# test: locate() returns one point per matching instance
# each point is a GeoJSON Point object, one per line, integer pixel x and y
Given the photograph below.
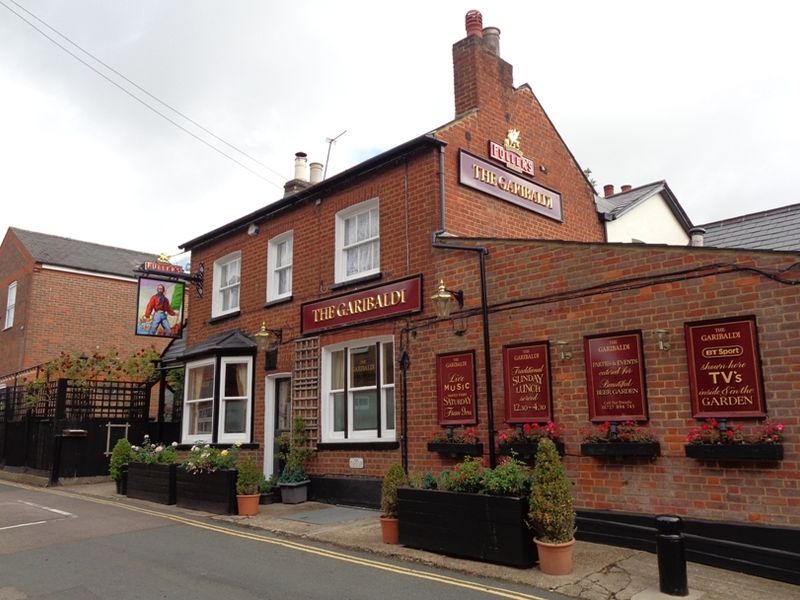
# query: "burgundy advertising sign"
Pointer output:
{"type": "Point", "coordinates": [390, 300]}
{"type": "Point", "coordinates": [526, 375]}
{"type": "Point", "coordinates": [725, 377]}
{"type": "Point", "coordinates": [615, 377]}
{"type": "Point", "coordinates": [455, 388]}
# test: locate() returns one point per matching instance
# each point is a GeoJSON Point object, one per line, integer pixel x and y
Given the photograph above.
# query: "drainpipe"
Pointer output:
{"type": "Point", "coordinates": [487, 354]}
{"type": "Point", "coordinates": [441, 190]}
{"type": "Point", "coordinates": [404, 362]}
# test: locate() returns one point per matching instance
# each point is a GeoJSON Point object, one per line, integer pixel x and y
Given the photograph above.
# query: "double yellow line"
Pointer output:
{"type": "Point", "coordinates": [331, 554]}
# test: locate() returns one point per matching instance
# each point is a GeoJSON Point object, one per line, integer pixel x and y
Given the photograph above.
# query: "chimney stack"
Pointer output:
{"type": "Point", "coordinates": [491, 40]}
{"type": "Point", "coordinates": [474, 23]}
{"type": "Point", "coordinates": [300, 181]}
{"type": "Point", "coordinates": [608, 190]}
{"type": "Point", "coordinates": [625, 188]}
{"type": "Point", "coordinates": [697, 234]}
{"type": "Point", "coordinates": [316, 172]}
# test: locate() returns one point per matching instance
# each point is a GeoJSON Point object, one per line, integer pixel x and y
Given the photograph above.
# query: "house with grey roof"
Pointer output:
{"type": "Point", "coordinates": [775, 229]}
{"type": "Point", "coordinates": [65, 295]}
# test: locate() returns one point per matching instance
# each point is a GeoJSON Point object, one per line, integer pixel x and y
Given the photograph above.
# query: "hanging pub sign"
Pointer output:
{"type": "Point", "coordinates": [725, 378]}
{"type": "Point", "coordinates": [526, 377]}
{"type": "Point", "coordinates": [615, 377]}
{"type": "Point", "coordinates": [455, 388]}
{"type": "Point", "coordinates": [159, 308]}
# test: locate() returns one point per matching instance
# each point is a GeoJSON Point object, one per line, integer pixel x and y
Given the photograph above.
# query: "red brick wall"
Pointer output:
{"type": "Point", "coordinates": [539, 272]}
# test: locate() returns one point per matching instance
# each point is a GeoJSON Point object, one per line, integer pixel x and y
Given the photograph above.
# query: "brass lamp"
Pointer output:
{"type": "Point", "coordinates": [444, 300]}
{"type": "Point", "coordinates": [267, 339]}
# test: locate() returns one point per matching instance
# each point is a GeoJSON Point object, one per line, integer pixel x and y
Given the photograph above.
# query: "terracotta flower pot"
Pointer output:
{"type": "Point", "coordinates": [555, 559]}
{"type": "Point", "coordinates": [390, 530]}
{"type": "Point", "coordinates": [247, 504]}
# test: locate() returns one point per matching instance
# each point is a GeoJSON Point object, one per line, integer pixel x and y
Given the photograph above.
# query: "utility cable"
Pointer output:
{"type": "Point", "coordinates": [129, 93]}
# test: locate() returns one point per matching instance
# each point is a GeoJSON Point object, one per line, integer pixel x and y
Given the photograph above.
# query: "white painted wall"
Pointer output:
{"type": "Point", "coordinates": [651, 222]}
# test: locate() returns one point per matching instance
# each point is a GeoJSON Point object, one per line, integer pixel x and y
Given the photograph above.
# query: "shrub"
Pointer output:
{"type": "Point", "coordinates": [151, 453]}
{"type": "Point", "coordinates": [297, 454]}
{"type": "Point", "coordinates": [248, 476]}
{"type": "Point", "coordinates": [395, 477]}
{"type": "Point", "coordinates": [510, 478]}
{"type": "Point", "coordinates": [551, 514]}
{"type": "Point", "coordinates": [120, 455]}
{"type": "Point", "coordinates": [467, 476]}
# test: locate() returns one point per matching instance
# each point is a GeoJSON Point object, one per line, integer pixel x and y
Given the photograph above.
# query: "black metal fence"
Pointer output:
{"type": "Point", "coordinates": [68, 428]}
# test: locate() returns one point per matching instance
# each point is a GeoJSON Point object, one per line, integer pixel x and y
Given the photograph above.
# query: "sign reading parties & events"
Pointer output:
{"type": "Point", "coordinates": [615, 377]}
{"type": "Point", "coordinates": [725, 378]}
{"type": "Point", "coordinates": [455, 388]}
{"type": "Point", "coordinates": [159, 307]}
{"type": "Point", "coordinates": [526, 376]}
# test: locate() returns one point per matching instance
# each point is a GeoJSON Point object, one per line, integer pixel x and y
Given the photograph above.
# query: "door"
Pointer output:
{"type": "Point", "coordinates": [277, 419]}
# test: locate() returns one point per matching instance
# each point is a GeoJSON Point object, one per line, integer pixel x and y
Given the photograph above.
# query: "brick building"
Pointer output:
{"type": "Point", "coordinates": [65, 295]}
{"type": "Point", "coordinates": [341, 273]}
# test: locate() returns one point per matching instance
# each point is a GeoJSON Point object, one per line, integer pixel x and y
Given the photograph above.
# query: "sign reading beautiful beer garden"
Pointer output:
{"type": "Point", "coordinates": [455, 388]}
{"type": "Point", "coordinates": [615, 377]}
{"type": "Point", "coordinates": [526, 375]}
{"type": "Point", "coordinates": [725, 377]}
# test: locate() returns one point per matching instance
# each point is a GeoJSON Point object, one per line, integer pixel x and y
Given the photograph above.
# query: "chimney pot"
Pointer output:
{"type": "Point", "coordinates": [474, 23]}
{"type": "Point", "coordinates": [625, 188]}
{"type": "Point", "coordinates": [491, 40]}
{"type": "Point", "coordinates": [697, 234]}
{"type": "Point", "coordinates": [608, 190]}
{"type": "Point", "coordinates": [301, 166]}
{"type": "Point", "coordinates": [316, 172]}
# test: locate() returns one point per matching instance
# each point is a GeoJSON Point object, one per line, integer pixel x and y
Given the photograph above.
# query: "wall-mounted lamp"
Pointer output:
{"type": "Point", "coordinates": [564, 353]}
{"type": "Point", "coordinates": [253, 229]}
{"type": "Point", "coordinates": [268, 339]}
{"type": "Point", "coordinates": [661, 336]}
{"type": "Point", "coordinates": [444, 300]}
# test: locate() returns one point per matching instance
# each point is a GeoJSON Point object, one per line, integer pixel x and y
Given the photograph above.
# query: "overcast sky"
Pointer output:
{"type": "Point", "coordinates": [704, 94]}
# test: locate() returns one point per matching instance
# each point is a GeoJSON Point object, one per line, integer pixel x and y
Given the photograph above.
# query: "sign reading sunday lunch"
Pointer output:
{"type": "Point", "coordinates": [725, 378]}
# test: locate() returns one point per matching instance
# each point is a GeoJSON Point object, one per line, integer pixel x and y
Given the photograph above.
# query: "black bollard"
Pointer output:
{"type": "Point", "coordinates": [671, 556]}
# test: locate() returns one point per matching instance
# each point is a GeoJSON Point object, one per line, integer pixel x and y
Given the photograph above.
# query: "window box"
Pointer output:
{"type": "Point", "coordinates": [526, 450]}
{"type": "Point", "coordinates": [154, 483]}
{"type": "Point", "coordinates": [735, 451]}
{"type": "Point", "coordinates": [637, 449]}
{"type": "Point", "coordinates": [474, 526]}
{"type": "Point", "coordinates": [455, 449]}
{"type": "Point", "coordinates": [211, 492]}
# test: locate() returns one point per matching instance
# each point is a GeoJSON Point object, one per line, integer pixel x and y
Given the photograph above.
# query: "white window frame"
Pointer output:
{"type": "Point", "coordinates": [185, 436]}
{"type": "Point", "coordinates": [341, 252]}
{"type": "Point", "coordinates": [219, 288]}
{"type": "Point", "coordinates": [11, 302]}
{"type": "Point", "coordinates": [274, 270]}
{"type": "Point", "coordinates": [244, 437]}
{"type": "Point", "coordinates": [328, 434]}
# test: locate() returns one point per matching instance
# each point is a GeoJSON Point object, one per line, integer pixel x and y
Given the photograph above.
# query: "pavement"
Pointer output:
{"type": "Point", "coordinates": [599, 572]}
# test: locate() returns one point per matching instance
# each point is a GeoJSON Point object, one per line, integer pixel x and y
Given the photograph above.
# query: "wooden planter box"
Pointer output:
{"type": "Point", "coordinates": [475, 526]}
{"type": "Point", "coordinates": [526, 450]}
{"type": "Point", "coordinates": [636, 449]}
{"type": "Point", "coordinates": [735, 451]}
{"type": "Point", "coordinates": [155, 483]}
{"type": "Point", "coordinates": [454, 450]}
{"type": "Point", "coordinates": [211, 492]}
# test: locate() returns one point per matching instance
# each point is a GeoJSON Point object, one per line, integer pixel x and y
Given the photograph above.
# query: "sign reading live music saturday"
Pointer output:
{"type": "Point", "coordinates": [502, 183]}
{"type": "Point", "coordinates": [455, 388]}
{"type": "Point", "coordinates": [615, 377]}
{"type": "Point", "coordinates": [725, 377]}
{"type": "Point", "coordinates": [390, 300]}
{"type": "Point", "coordinates": [526, 376]}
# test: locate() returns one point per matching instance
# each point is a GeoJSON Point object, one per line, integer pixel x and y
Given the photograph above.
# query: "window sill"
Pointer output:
{"type": "Point", "coordinates": [343, 284]}
{"type": "Point", "coordinates": [225, 317]}
{"type": "Point", "coordinates": [277, 301]}
{"type": "Point", "coordinates": [358, 446]}
{"type": "Point", "coordinates": [221, 446]}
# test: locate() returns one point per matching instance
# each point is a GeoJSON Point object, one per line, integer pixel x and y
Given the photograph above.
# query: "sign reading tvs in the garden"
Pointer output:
{"type": "Point", "coordinates": [526, 375]}
{"type": "Point", "coordinates": [725, 377]}
{"type": "Point", "coordinates": [455, 388]}
{"type": "Point", "coordinates": [615, 377]}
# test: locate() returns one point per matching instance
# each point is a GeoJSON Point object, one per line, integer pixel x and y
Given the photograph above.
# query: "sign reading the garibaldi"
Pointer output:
{"type": "Point", "coordinates": [501, 183]}
{"type": "Point", "coordinates": [615, 377]}
{"type": "Point", "coordinates": [526, 377]}
{"type": "Point", "coordinates": [725, 377]}
{"type": "Point", "coordinates": [389, 300]}
{"type": "Point", "coordinates": [455, 388]}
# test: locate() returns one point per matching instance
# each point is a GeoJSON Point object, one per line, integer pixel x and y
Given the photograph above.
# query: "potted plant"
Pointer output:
{"type": "Point", "coordinates": [151, 472]}
{"type": "Point", "coordinates": [523, 440]}
{"type": "Point", "coordinates": [293, 480]}
{"type": "Point", "coordinates": [611, 438]}
{"type": "Point", "coordinates": [455, 442]}
{"type": "Point", "coordinates": [207, 479]}
{"type": "Point", "coordinates": [118, 465]}
{"type": "Point", "coordinates": [268, 489]}
{"type": "Point", "coordinates": [552, 516]}
{"type": "Point", "coordinates": [719, 440]}
{"type": "Point", "coordinates": [247, 480]}
{"type": "Point", "coordinates": [394, 478]}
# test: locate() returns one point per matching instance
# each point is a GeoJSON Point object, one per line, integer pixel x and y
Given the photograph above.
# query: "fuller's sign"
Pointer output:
{"type": "Point", "coordinates": [725, 377]}
{"type": "Point", "coordinates": [455, 388]}
{"type": "Point", "coordinates": [500, 183]}
{"type": "Point", "coordinates": [380, 302]}
{"type": "Point", "coordinates": [526, 375]}
{"type": "Point", "coordinates": [615, 377]}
